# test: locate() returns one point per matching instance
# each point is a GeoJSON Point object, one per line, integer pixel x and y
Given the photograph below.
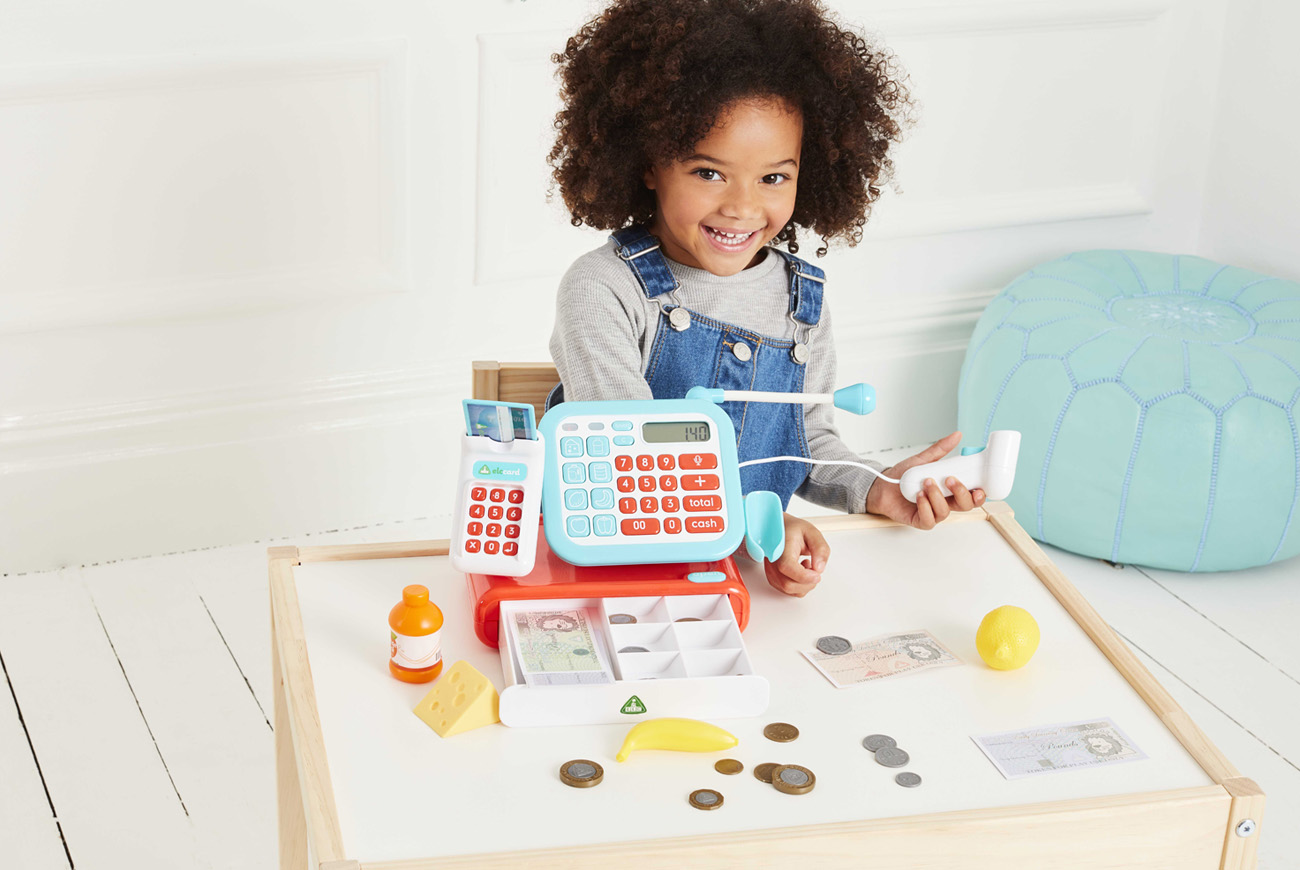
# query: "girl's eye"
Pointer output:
{"type": "Point", "coordinates": [775, 178]}
{"type": "Point", "coordinates": [707, 174]}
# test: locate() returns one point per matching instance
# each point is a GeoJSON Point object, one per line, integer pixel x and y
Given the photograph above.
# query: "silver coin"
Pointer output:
{"type": "Point", "coordinates": [580, 770]}
{"type": "Point", "coordinates": [876, 742]}
{"type": "Point", "coordinates": [622, 618]}
{"type": "Point", "coordinates": [892, 756]}
{"type": "Point", "coordinates": [708, 798]}
{"type": "Point", "coordinates": [629, 649]}
{"type": "Point", "coordinates": [790, 776]}
{"type": "Point", "coordinates": [833, 646]}
{"type": "Point", "coordinates": [907, 779]}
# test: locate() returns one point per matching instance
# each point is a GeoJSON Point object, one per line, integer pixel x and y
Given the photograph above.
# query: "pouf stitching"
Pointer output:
{"type": "Point", "coordinates": [1143, 405]}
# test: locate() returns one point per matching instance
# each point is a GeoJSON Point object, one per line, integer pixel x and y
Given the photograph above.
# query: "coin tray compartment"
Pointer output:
{"type": "Point", "coordinates": [651, 666]}
{"type": "Point", "coordinates": [697, 669]}
{"type": "Point", "coordinates": [716, 663]}
{"type": "Point", "coordinates": [654, 636]}
{"type": "Point", "coordinates": [714, 607]}
{"type": "Point", "coordinates": [707, 635]}
{"type": "Point", "coordinates": [648, 609]}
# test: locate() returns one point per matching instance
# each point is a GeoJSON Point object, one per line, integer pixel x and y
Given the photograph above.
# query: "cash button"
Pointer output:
{"type": "Point", "coordinates": [699, 481]}
{"type": "Point", "coordinates": [570, 448]}
{"type": "Point", "coordinates": [578, 527]}
{"type": "Point", "coordinates": [704, 525]}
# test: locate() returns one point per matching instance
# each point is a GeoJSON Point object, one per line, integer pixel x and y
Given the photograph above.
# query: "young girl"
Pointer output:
{"type": "Point", "coordinates": [706, 133]}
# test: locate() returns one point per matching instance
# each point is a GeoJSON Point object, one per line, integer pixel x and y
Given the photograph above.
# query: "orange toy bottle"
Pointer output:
{"type": "Point", "coordinates": [415, 648]}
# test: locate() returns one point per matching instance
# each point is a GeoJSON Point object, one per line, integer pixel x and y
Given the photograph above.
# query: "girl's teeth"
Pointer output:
{"type": "Point", "coordinates": [731, 239]}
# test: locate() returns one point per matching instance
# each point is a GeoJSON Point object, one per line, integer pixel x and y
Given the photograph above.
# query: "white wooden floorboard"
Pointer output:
{"type": "Point", "coordinates": [209, 729]}
{"type": "Point", "coordinates": [29, 834]}
{"type": "Point", "coordinates": [1209, 659]}
{"type": "Point", "coordinates": [1229, 690]}
{"type": "Point", "coordinates": [112, 795]}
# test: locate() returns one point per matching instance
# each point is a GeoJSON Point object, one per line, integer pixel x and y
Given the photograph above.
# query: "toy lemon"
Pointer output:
{"type": "Point", "coordinates": [1007, 638]}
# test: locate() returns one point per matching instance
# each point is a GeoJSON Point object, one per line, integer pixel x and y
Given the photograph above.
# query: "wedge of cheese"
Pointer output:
{"type": "Point", "coordinates": [462, 700]}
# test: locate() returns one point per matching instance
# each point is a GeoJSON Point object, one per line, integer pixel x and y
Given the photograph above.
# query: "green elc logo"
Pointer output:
{"type": "Point", "coordinates": [633, 706]}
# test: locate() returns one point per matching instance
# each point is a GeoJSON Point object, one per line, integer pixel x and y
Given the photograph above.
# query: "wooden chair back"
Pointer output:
{"type": "Point", "coordinates": [515, 382]}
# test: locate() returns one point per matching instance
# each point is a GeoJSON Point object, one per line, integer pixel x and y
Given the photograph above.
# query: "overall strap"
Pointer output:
{"type": "Point", "coordinates": [640, 251]}
{"type": "Point", "coordinates": [806, 285]}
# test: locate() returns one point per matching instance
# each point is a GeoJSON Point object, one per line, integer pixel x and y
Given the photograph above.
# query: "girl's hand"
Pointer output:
{"type": "Point", "coordinates": [788, 574]}
{"type": "Point", "coordinates": [931, 507]}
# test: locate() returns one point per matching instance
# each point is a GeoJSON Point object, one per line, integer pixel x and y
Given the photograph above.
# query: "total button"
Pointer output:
{"type": "Point", "coordinates": [742, 351]}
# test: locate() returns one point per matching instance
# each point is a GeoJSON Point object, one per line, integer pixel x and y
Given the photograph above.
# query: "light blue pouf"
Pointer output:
{"type": "Point", "coordinates": [1156, 395]}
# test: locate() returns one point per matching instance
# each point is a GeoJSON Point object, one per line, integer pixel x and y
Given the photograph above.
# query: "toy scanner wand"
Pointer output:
{"type": "Point", "coordinates": [992, 470]}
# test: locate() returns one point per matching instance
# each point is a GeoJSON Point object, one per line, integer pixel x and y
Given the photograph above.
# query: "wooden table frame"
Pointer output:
{"type": "Point", "coordinates": [309, 825]}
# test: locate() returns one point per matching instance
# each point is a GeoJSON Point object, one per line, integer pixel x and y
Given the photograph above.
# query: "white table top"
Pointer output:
{"type": "Point", "coordinates": [404, 792]}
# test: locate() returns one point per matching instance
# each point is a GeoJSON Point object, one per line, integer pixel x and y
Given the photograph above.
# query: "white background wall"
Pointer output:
{"type": "Point", "coordinates": [248, 250]}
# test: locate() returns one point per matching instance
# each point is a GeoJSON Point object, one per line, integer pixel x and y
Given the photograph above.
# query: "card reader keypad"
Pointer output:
{"type": "Point", "coordinates": [493, 523]}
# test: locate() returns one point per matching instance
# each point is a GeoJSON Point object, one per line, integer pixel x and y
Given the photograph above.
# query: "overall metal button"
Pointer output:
{"type": "Point", "coordinates": [679, 319]}
{"type": "Point", "coordinates": [742, 351]}
{"type": "Point", "coordinates": [799, 353]}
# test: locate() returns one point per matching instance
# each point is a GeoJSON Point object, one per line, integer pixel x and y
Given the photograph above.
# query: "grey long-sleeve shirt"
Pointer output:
{"type": "Point", "coordinates": [605, 328]}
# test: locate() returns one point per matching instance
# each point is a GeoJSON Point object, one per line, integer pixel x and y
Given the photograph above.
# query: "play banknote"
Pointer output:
{"type": "Point", "coordinates": [558, 648]}
{"type": "Point", "coordinates": [889, 655]}
{"type": "Point", "coordinates": [1054, 748]}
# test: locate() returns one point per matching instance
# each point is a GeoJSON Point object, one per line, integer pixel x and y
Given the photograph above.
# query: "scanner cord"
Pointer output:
{"type": "Point", "coordinates": [817, 462]}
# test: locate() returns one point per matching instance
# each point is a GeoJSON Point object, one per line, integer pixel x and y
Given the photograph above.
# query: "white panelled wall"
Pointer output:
{"type": "Point", "coordinates": [248, 250]}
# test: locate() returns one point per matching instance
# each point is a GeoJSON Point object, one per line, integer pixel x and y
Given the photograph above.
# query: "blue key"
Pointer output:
{"type": "Point", "coordinates": [578, 527]}
{"type": "Point", "coordinates": [575, 499]}
{"type": "Point", "coordinates": [600, 472]}
{"type": "Point", "coordinates": [706, 576]}
{"type": "Point", "coordinates": [602, 499]}
{"type": "Point", "coordinates": [571, 447]}
{"type": "Point", "coordinates": [621, 425]}
{"type": "Point", "coordinates": [597, 445]}
{"type": "Point", "coordinates": [574, 472]}
{"type": "Point", "coordinates": [605, 525]}
{"type": "Point", "coordinates": [624, 440]}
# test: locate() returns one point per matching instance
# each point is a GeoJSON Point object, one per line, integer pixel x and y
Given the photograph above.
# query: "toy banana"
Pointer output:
{"type": "Point", "coordinates": [683, 735]}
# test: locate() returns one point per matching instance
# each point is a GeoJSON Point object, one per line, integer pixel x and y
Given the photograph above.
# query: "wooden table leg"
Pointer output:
{"type": "Point", "coordinates": [292, 818]}
{"type": "Point", "coordinates": [1241, 846]}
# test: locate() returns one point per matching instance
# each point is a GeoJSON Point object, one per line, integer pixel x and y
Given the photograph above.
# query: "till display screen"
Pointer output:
{"type": "Point", "coordinates": [693, 431]}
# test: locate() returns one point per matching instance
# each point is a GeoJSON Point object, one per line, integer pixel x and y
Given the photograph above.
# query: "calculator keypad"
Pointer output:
{"type": "Point", "coordinates": [621, 486]}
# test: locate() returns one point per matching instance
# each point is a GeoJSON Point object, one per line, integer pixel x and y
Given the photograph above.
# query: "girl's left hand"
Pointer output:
{"type": "Point", "coordinates": [788, 574]}
{"type": "Point", "coordinates": [932, 506]}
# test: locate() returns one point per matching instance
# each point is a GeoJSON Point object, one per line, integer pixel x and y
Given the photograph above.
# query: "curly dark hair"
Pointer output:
{"type": "Point", "coordinates": [646, 80]}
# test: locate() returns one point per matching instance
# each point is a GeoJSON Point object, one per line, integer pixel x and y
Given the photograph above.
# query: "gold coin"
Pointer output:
{"type": "Point", "coordinates": [729, 766]}
{"type": "Point", "coordinates": [689, 619]}
{"type": "Point", "coordinates": [705, 799]}
{"type": "Point", "coordinates": [763, 773]}
{"type": "Point", "coordinates": [793, 779]}
{"type": "Point", "coordinates": [581, 773]}
{"type": "Point", "coordinates": [781, 732]}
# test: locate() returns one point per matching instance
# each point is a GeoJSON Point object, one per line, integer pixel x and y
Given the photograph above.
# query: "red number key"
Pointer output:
{"type": "Point", "coordinates": [491, 547]}
{"type": "Point", "coordinates": [498, 495]}
{"type": "Point", "coordinates": [666, 462]}
{"type": "Point", "coordinates": [646, 482]}
{"type": "Point", "coordinates": [668, 482]}
{"type": "Point", "coordinates": [475, 528]}
{"type": "Point", "coordinates": [627, 505]}
{"type": "Point", "coordinates": [671, 504]}
{"type": "Point", "coordinates": [494, 530]}
{"type": "Point", "coordinates": [649, 504]}
{"type": "Point", "coordinates": [514, 514]}
{"type": "Point", "coordinates": [478, 493]}
{"type": "Point", "coordinates": [512, 531]}
{"type": "Point", "coordinates": [495, 512]}
{"type": "Point", "coordinates": [623, 463]}
{"type": "Point", "coordinates": [626, 484]}
{"type": "Point", "coordinates": [516, 496]}
{"type": "Point", "coordinates": [476, 511]}
{"type": "Point", "coordinates": [647, 526]}
{"type": "Point", "coordinates": [645, 463]}
{"type": "Point", "coordinates": [672, 525]}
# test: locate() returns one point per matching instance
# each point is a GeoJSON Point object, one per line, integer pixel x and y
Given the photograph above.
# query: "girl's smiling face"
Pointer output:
{"type": "Point", "coordinates": [720, 206]}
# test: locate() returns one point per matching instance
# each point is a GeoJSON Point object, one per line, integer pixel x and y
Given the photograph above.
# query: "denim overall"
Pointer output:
{"type": "Point", "coordinates": [711, 353]}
